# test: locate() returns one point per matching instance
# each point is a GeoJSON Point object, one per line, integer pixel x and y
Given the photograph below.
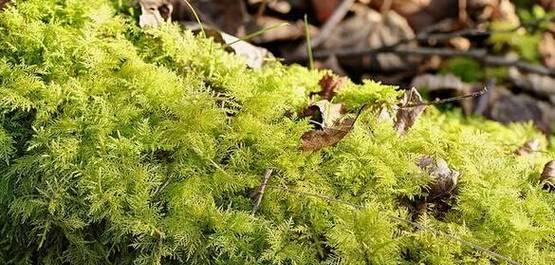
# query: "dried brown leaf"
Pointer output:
{"type": "Point", "coordinates": [444, 179]}
{"type": "Point", "coordinates": [317, 139]}
{"type": "Point", "coordinates": [548, 176]}
{"type": "Point", "coordinates": [330, 85]}
{"type": "Point", "coordinates": [529, 147]}
{"type": "Point", "coordinates": [407, 115]}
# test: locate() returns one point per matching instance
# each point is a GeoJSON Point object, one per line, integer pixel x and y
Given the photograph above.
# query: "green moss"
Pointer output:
{"type": "Point", "coordinates": [124, 146]}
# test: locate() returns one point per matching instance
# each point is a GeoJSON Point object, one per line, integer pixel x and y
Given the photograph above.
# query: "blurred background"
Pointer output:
{"type": "Point", "coordinates": [444, 48]}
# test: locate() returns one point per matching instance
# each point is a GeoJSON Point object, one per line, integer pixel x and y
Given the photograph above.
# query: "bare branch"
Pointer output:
{"type": "Point", "coordinates": [261, 190]}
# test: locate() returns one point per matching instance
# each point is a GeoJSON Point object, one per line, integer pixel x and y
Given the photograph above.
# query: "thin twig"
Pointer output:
{"type": "Point", "coordinates": [261, 190]}
{"type": "Point", "coordinates": [332, 22]}
{"type": "Point", "coordinates": [308, 41]}
{"type": "Point", "coordinates": [447, 100]}
{"type": "Point", "coordinates": [261, 9]}
{"type": "Point", "coordinates": [414, 224]}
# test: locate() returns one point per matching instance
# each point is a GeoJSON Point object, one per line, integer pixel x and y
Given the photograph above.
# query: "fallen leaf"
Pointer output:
{"type": "Point", "coordinates": [330, 85]}
{"type": "Point", "coordinates": [529, 147]}
{"type": "Point", "coordinates": [329, 123]}
{"type": "Point", "coordinates": [444, 179]}
{"type": "Point", "coordinates": [324, 114]}
{"type": "Point", "coordinates": [407, 114]}
{"type": "Point", "coordinates": [548, 176]}
{"type": "Point", "coordinates": [317, 139]}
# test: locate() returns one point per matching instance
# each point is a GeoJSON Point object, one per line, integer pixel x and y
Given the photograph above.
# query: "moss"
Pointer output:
{"type": "Point", "coordinates": [123, 146]}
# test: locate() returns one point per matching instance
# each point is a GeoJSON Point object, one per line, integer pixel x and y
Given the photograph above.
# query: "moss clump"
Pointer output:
{"type": "Point", "coordinates": [120, 146]}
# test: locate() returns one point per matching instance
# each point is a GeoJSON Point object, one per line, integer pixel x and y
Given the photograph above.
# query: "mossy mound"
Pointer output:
{"type": "Point", "coordinates": [124, 146]}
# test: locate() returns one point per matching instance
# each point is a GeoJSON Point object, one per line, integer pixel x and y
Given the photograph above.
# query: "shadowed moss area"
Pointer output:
{"type": "Point", "coordinates": [127, 146]}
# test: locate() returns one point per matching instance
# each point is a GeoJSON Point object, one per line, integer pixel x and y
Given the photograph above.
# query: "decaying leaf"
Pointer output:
{"type": "Point", "coordinates": [409, 110]}
{"type": "Point", "coordinates": [548, 176]}
{"type": "Point", "coordinates": [330, 126]}
{"type": "Point", "coordinates": [528, 148]}
{"type": "Point", "coordinates": [330, 85]}
{"type": "Point", "coordinates": [370, 29]}
{"type": "Point", "coordinates": [444, 179]}
{"type": "Point", "coordinates": [317, 139]}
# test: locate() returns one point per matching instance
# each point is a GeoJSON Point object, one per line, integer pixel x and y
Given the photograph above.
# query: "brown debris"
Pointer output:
{"type": "Point", "coordinates": [317, 139]}
{"type": "Point", "coordinates": [529, 147]}
{"type": "Point", "coordinates": [370, 29]}
{"type": "Point", "coordinates": [3, 3]}
{"type": "Point", "coordinates": [547, 49]}
{"type": "Point", "coordinates": [548, 176]}
{"type": "Point", "coordinates": [330, 85]}
{"type": "Point", "coordinates": [406, 115]}
{"type": "Point", "coordinates": [444, 179]}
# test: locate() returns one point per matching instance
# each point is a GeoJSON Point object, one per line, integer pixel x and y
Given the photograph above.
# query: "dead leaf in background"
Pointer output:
{"type": "Point", "coordinates": [548, 176]}
{"type": "Point", "coordinates": [370, 29]}
{"type": "Point", "coordinates": [539, 85]}
{"type": "Point", "coordinates": [528, 148]}
{"type": "Point", "coordinates": [547, 49]}
{"type": "Point", "coordinates": [447, 85]}
{"type": "Point", "coordinates": [444, 179]}
{"type": "Point", "coordinates": [547, 4]}
{"type": "Point", "coordinates": [324, 9]}
{"type": "Point", "coordinates": [507, 107]}
{"type": "Point", "coordinates": [493, 10]}
{"type": "Point", "coordinates": [430, 82]}
{"type": "Point", "coordinates": [420, 13]}
{"type": "Point", "coordinates": [406, 115]}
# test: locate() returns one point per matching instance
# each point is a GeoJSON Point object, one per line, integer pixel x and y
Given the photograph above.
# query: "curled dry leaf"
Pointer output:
{"type": "Point", "coordinates": [444, 179]}
{"type": "Point", "coordinates": [330, 85]}
{"type": "Point", "coordinates": [528, 148]}
{"type": "Point", "coordinates": [409, 111]}
{"type": "Point", "coordinates": [548, 176]}
{"type": "Point", "coordinates": [330, 128]}
{"type": "Point", "coordinates": [317, 139]}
